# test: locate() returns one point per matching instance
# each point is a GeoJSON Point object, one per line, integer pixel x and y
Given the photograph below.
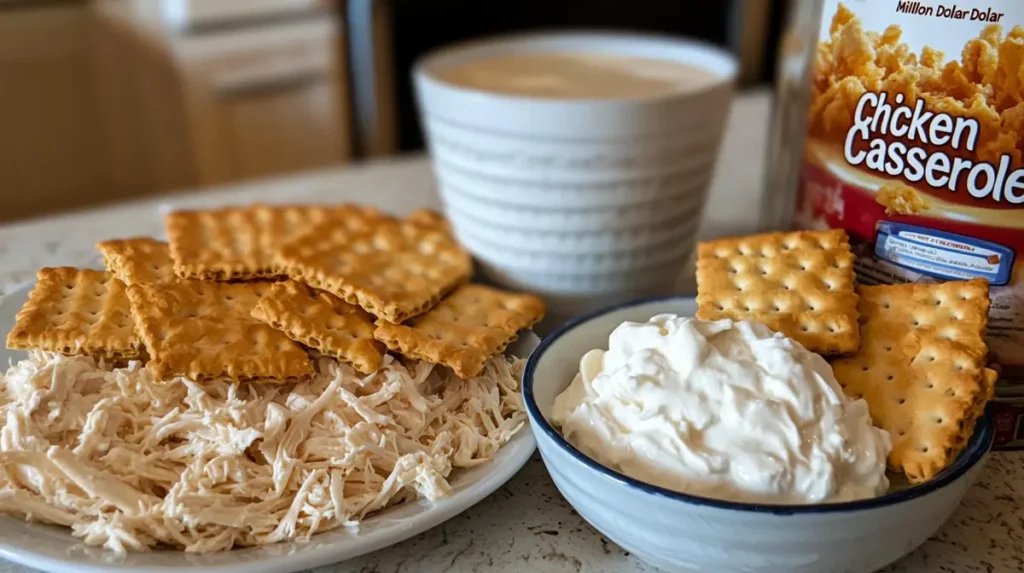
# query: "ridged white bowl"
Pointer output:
{"type": "Point", "coordinates": [586, 201]}
{"type": "Point", "coordinates": [682, 533]}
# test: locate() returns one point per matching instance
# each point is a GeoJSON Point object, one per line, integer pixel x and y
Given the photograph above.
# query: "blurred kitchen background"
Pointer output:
{"type": "Point", "coordinates": [109, 100]}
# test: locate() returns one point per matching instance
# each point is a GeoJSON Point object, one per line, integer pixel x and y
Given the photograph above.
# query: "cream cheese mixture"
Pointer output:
{"type": "Point", "coordinates": [722, 409]}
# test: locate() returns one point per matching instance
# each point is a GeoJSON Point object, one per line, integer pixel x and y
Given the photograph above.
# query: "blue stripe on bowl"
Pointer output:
{"type": "Point", "coordinates": [979, 444]}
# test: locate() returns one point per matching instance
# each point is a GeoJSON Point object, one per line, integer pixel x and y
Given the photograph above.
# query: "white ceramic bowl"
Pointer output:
{"type": "Point", "coordinates": [583, 201]}
{"type": "Point", "coordinates": [685, 533]}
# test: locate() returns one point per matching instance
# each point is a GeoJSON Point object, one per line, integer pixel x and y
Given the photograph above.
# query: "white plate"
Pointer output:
{"type": "Point", "coordinates": [54, 549]}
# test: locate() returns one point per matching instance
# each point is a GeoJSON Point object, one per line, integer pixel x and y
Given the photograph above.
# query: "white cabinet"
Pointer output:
{"type": "Point", "coordinates": [194, 109]}
{"type": "Point", "coordinates": [274, 128]}
{"type": "Point", "coordinates": [189, 13]}
{"type": "Point", "coordinates": [267, 106]}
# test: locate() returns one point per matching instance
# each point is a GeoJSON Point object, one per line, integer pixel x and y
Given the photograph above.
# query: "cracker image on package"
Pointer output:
{"type": "Point", "coordinates": [799, 284]}
{"type": "Point", "coordinates": [900, 199]}
{"type": "Point", "coordinates": [77, 311]}
{"type": "Point", "coordinates": [922, 369]}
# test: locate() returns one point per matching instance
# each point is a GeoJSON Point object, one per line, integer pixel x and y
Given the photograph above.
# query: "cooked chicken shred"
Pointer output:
{"type": "Point", "coordinates": [129, 464]}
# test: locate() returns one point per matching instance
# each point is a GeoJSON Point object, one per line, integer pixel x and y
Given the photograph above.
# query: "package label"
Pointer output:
{"type": "Point", "coordinates": [944, 255]}
{"type": "Point", "coordinates": [916, 147]}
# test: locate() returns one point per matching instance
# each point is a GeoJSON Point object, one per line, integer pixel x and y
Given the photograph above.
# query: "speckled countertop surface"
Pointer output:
{"type": "Point", "coordinates": [526, 525]}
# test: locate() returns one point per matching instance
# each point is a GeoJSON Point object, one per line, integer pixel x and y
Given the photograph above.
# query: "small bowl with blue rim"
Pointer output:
{"type": "Point", "coordinates": [682, 533]}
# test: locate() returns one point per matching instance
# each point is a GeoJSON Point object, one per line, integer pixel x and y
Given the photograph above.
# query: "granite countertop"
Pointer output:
{"type": "Point", "coordinates": [525, 525]}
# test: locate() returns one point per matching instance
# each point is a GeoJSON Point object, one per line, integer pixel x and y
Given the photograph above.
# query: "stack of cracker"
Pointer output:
{"type": "Point", "coordinates": [255, 293]}
{"type": "Point", "coordinates": [914, 352]}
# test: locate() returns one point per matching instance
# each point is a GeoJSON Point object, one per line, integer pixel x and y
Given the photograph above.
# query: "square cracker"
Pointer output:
{"type": "Point", "coordinates": [465, 329]}
{"type": "Point", "coordinates": [921, 369]}
{"type": "Point", "coordinates": [77, 311]}
{"type": "Point", "coordinates": [391, 269]}
{"type": "Point", "coordinates": [138, 260]}
{"type": "Point", "coordinates": [322, 321]}
{"type": "Point", "coordinates": [800, 284]}
{"type": "Point", "coordinates": [203, 330]}
{"type": "Point", "coordinates": [430, 219]}
{"type": "Point", "coordinates": [240, 242]}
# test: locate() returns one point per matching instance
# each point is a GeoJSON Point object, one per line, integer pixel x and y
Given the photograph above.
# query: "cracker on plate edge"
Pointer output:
{"type": "Point", "coordinates": [77, 311]}
{"type": "Point", "coordinates": [471, 325]}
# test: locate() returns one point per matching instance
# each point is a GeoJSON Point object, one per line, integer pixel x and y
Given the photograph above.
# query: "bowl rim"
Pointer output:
{"type": "Point", "coordinates": [982, 440]}
{"type": "Point", "coordinates": [425, 67]}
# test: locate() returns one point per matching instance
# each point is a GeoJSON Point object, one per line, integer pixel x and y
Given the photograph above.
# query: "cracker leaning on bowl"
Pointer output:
{"type": "Point", "coordinates": [921, 369]}
{"type": "Point", "coordinates": [800, 284]}
{"type": "Point", "coordinates": [917, 357]}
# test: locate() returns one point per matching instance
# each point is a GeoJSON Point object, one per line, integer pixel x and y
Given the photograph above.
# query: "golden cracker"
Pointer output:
{"type": "Point", "coordinates": [322, 321]}
{"type": "Point", "coordinates": [430, 219]}
{"type": "Point", "coordinates": [390, 269]}
{"type": "Point", "coordinates": [203, 330]}
{"type": "Point", "coordinates": [921, 369]}
{"type": "Point", "coordinates": [800, 284]}
{"type": "Point", "coordinates": [989, 378]}
{"type": "Point", "coordinates": [474, 323]}
{"type": "Point", "coordinates": [77, 311]}
{"type": "Point", "coordinates": [138, 260]}
{"type": "Point", "coordinates": [239, 242]}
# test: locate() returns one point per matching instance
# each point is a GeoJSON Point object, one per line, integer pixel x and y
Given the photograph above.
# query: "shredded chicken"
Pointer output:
{"type": "Point", "coordinates": [130, 465]}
